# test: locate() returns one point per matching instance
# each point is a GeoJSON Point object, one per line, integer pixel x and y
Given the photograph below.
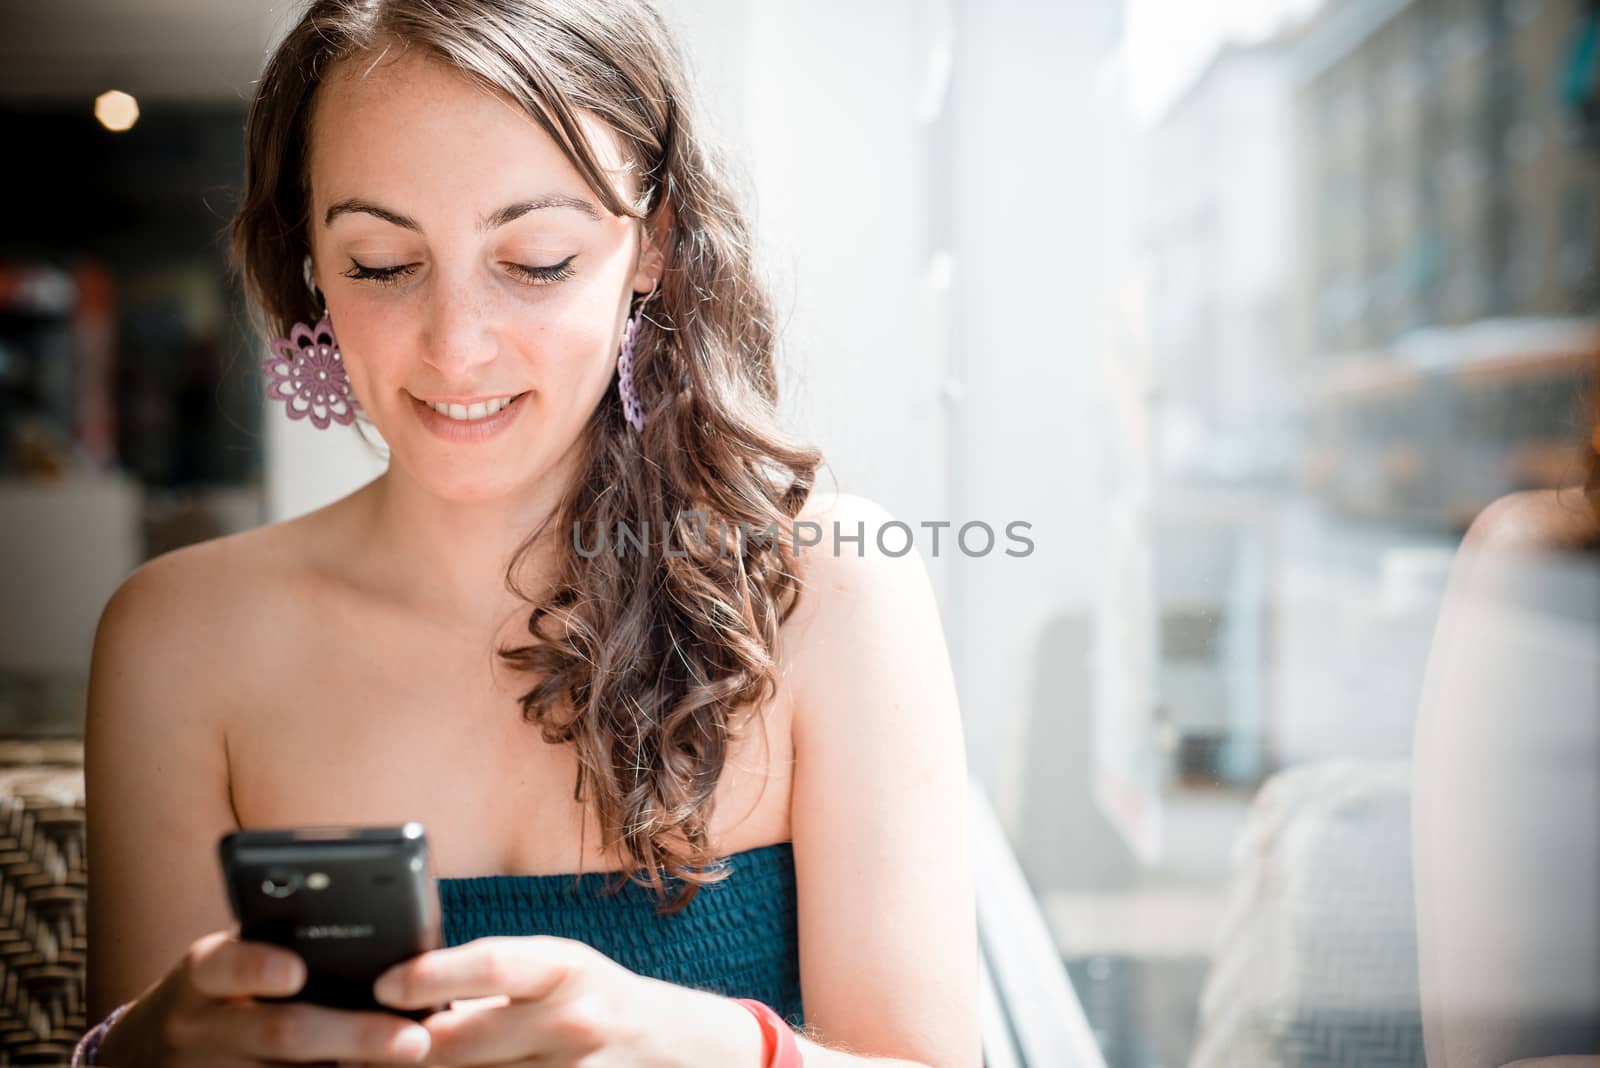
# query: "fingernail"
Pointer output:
{"type": "Point", "coordinates": [413, 1043]}
{"type": "Point", "coordinates": [287, 974]}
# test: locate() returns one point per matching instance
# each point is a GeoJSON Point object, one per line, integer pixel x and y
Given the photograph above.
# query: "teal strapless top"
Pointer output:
{"type": "Point", "coordinates": [739, 938]}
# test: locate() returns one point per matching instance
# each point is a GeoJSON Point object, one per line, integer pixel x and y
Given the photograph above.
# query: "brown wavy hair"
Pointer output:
{"type": "Point", "coordinates": [641, 661]}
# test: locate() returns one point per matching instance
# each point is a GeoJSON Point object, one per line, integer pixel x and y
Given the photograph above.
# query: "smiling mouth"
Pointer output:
{"type": "Point", "coordinates": [469, 413]}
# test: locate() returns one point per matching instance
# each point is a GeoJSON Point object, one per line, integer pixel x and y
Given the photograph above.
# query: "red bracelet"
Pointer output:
{"type": "Point", "coordinates": [778, 1046]}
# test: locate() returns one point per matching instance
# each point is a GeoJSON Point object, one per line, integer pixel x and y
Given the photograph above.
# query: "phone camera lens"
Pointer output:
{"type": "Point", "coordinates": [280, 883]}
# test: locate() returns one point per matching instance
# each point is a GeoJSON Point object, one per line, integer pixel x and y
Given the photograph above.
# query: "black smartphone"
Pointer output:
{"type": "Point", "coordinates": [351, 901]}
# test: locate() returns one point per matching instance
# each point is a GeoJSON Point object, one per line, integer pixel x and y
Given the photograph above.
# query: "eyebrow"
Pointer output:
{"type": "Point", "coordinates": [509, 213]}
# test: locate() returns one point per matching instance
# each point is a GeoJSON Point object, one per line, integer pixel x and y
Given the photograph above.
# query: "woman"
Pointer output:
{"type": "Point", "coordinates": [1506, 797]}
{"type": "Point", "coordinates": [501, 207]}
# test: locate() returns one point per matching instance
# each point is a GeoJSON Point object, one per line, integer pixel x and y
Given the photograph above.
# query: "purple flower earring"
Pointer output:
{"type": "Point", "coordinates": [306, 371]}
{"type": "Point", "coordinates": [630, 399]}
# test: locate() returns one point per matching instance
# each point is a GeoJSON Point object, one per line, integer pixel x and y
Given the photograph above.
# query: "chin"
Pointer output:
{"type": "Point", "coordinates": [454, 488]}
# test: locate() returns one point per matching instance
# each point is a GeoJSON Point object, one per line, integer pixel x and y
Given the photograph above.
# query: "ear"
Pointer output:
{"type": "Point", "coordinates": [657, 233]}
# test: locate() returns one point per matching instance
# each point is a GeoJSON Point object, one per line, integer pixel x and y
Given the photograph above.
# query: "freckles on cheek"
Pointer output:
{"type": "Point", "coordinates": [368, 342]}
{"type": "Point", "coordinates": [562, 358]}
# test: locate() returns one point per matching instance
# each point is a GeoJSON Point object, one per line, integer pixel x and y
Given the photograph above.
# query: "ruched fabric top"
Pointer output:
{"type": "Point", "coordinates": [739, 937]}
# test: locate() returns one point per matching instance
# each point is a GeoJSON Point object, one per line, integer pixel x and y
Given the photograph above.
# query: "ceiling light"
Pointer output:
{"type": "Point", "coordinates": [116, 110]}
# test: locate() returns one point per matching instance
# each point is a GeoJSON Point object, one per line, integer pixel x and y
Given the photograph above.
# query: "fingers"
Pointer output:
{"type": "Point", "coordinates": [537, 1032]}
{"type": "Point", "coordinates": [224, 972]}
{"type": "Point", "coordinates": [521, 968]}
{"type": "Point", "coordinates": [222, 966]}
{"type": "Point", "coordinates": [299, 1031]}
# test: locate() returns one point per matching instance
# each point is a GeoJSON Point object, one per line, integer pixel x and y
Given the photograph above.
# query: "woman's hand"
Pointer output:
{"type": "Point", "coordinates": [202, 1013]}
{"type": "Point", "coordinates": [557, 1002]}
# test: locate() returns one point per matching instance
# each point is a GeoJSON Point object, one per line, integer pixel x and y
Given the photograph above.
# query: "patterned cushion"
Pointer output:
{"type": "Point", "coordinates": [43, 883]}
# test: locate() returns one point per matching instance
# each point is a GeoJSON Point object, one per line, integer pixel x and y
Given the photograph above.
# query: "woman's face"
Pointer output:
{"type": "Point", "coordinates": [465, 262]}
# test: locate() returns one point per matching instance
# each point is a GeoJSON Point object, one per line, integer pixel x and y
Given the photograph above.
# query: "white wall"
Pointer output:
{"type": "Point", "coordinates": [1035, 258]}
{"type": "Point", "coordinates": [819, 101]}
{"type": "Point", "coordinates": [306, 468]}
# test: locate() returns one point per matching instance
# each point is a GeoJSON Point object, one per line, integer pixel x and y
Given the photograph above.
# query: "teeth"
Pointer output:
{"type": "Point", "coordinates": [466, 413]}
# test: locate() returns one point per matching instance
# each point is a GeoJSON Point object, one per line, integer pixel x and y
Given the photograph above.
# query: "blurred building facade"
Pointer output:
{"type": "Point", "coordinates": [1213, 227]}
{"type": "Point", "coordinates": [1211, 248]}
{"type": "Point", "coordinates": [1447, 193]}
{"type": "Point", "coordinates": [1359, 305]}
{"type": "Point", "coordinates": [1362, 261]}
{"type": "Point", "coordinates": [1441, 178]}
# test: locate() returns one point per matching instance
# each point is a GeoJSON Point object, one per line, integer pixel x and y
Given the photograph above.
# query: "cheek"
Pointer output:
{"type": "Point", "coordinates": [570, 357]}
{"type": "Point", "coordinates": [567, 352]}
{"type": "Point", "coordinates": [369, 340]}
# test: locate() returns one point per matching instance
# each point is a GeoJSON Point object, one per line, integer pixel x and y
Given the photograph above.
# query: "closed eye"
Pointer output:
{"type": "Point", "coordinates": [529, 273]}
{"type": "Point", "coordinates": [543, 275]}
{"type": "Point", "coordinates": [384, 276]}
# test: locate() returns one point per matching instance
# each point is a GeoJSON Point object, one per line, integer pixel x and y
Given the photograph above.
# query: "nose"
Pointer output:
{"type": "Point", "coordinates": [459, 337]}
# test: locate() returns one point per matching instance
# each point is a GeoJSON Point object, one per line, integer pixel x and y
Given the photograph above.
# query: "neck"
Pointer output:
{"type": "Point", "coordinates": [451, 558]}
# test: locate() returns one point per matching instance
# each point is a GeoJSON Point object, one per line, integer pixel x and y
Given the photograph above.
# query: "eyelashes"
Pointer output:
{"type": "Point", "coordinates": [526, 273]}
{"type": "Point", "coordinates": [541, 275]}
{"type": "Point", "coordinates": [384, 276]}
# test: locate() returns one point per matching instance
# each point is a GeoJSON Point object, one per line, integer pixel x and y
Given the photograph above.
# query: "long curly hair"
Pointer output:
{"type": "Point", "coordinates": [642, 661]}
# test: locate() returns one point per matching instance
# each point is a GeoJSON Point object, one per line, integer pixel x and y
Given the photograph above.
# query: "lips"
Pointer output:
{"type": "Point", "coordinates": [471, 411]}
{"type": "Point", "coordinates": [469, 428]}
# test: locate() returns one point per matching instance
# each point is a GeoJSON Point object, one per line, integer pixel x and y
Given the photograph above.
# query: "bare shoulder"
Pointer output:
{"type": "Point", "coordinates": [850, 568]}
{"type": "Point", "coordinates": [858, 595]}
{"type": "Point", "coordinates": [1535, 521]}
{"type": "Point", "coordinates": [199, 596]}
{"type": "Point", "coordinates": [191, 631]}
{"type": "Point", "coordinates": [1519, 543]}
{"type": "Point", "coordinates": [848, 526]}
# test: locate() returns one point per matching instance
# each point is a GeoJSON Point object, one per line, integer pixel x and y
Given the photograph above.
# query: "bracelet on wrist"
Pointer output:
{"type": "Point", "coordinates": [89, 1045]}
{"type": "Point", "coordinates": [778, 1046]}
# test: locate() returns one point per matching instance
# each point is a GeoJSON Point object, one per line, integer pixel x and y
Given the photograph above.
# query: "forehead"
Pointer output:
{"type": "Point", "coordinates": [406, 125]}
